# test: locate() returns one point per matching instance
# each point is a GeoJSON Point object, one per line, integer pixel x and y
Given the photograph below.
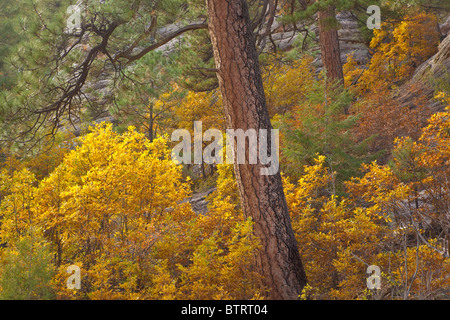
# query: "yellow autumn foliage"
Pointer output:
{"type": "Point", "coordinates": [286, 84]}
{"type": "Point", "coordinates": [398, 50]}
{"type": "Point", "coordinates": [115, 207]}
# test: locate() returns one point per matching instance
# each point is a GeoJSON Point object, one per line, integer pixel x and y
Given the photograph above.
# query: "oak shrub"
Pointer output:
{"type": "Point", "coordinates": [114, 207]}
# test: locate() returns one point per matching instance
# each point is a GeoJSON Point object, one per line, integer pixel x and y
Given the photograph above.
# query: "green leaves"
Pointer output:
{"type": "Point", "coordinates": [26, 269]}
{"type": "Point", "coordinates": [318, 126]}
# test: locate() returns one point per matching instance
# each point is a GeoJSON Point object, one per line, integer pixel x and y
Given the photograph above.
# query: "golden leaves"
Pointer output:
{"type": "Point", "coordinates": [115, 208]}
{"type": "Point", "coordinates": [399, 49]}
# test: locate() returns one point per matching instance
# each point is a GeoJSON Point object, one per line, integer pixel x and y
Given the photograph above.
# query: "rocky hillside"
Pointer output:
{"type": "Point", "coordinates": [429, 76]}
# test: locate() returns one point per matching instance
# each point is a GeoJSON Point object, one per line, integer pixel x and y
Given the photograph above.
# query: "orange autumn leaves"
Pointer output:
{"type": "Point", "coordinates": [398, 49]}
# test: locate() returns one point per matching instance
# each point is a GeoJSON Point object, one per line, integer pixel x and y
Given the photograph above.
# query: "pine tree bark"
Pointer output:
{"type": "Point", "coordinates": [329, 45]}
{"type": "Point", "coordinates": [262, 196]}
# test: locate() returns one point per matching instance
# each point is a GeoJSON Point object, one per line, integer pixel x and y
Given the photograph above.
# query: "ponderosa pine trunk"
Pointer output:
{"type": "Point", "coordinates": [262, 196]}
{"type": "Point", "coordinates": [329, 44]}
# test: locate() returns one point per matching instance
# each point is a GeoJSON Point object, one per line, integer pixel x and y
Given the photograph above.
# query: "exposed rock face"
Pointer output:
{"type": "Point", "coordinates": [199, 201]}
{"type": "Point", "coordinates": [350, 39]}
{"type": "Point", "coordinates": [438, 65]}
{"type": "Point", "coordinates": [172, 45]}
{"type": "Point", "coordinates": [436, 69]}
{"type": "Point", "coordinates": [444, 28]}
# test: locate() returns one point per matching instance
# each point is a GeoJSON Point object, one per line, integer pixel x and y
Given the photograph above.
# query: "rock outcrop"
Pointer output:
{"type": "Point", "coordinates": [438, 65]}
{"type": "Point", "coordinates": [427, 78]}
{"type": "Point", "coordinates": [199, 202]}
{"type": "Point", "coordinates": [350, 39]}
